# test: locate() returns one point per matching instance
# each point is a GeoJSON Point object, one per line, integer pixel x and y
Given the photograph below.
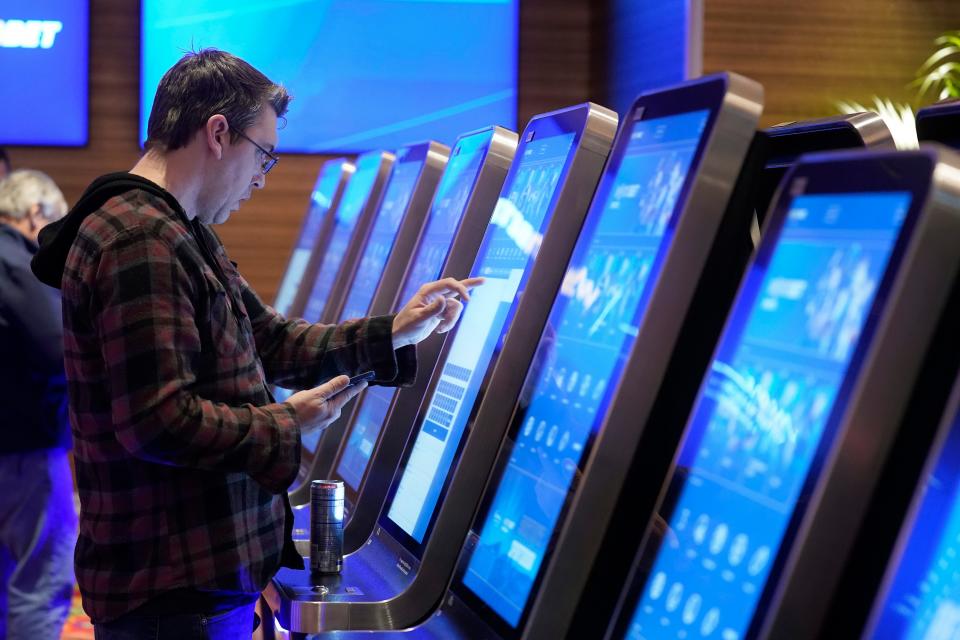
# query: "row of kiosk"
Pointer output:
{"type": "Point", "coordinates": [707, 390]}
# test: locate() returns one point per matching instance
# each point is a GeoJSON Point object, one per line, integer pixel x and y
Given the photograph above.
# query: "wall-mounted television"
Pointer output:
{"type": "Point", "coordinates": [44, 47]}
{"type": "Point", "coordinates": [364, 74]}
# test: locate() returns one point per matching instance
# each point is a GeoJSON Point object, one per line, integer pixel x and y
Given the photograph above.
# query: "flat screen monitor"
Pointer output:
{"type": "Point", "coordinates": [44, 47]}
{"type": "Point", "coordinates": [386, 225]}
{"type": "Point", "coordinates": [324, 192]}
{"type": "Point", "coordinates": [505, 259]}
{"type": "Point", "coordinates": [591, 329]}
{"type": "Point", "coordinates": [922, 596]}
{"type": "Point", "coordinates": [365, 75]}
{"type": "Point", "coordinates": [766, 414]}
{"type": "Point", "coordinates": [351, 206]}
{"type": "Point", "coordinates": [446, 212]}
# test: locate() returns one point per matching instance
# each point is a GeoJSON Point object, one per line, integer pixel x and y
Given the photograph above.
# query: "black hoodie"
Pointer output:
{"type": "Point", "coordinates": [57, 238]}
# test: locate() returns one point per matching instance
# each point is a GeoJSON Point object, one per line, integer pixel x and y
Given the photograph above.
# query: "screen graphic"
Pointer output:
{"type": "Point", "coordinates": [351, 206]}
{"type": "Point", "coordinates": [43, 54]}
{"type": "Point", "coordinates": [509, 248]}
{"type": "Point", "coordinates": [375, 254]}
{"type": "Point", "coordinates": [444, 218]}
{"type": "Point", "coordinates": [592, 327]}
{"type": "Point", "coordinates": [320, 200]}
{"type": "Point", "coordinates": [761, 415]}
{"type": "Point", "coordinates": [924, 597]}
{"type": "Point", "coordinates": [365, 74]}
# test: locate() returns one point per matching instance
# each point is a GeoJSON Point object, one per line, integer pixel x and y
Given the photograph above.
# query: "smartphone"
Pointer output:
{"type": "Point", "coordinates": [366, 376]}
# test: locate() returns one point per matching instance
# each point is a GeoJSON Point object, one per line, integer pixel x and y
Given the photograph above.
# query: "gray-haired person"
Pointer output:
{"type": "Point", "coordinates": [38, 521]}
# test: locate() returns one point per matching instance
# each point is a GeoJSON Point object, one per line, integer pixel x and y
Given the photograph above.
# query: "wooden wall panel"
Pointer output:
{"type": "Point", "coordinates": [810, 54]}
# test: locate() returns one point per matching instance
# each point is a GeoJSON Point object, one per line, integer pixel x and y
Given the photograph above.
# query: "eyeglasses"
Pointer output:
{"type": "Point", "coordinates": [267, 160]}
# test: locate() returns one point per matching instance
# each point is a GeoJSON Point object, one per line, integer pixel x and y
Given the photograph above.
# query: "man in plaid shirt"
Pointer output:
{"type": "Point", "coordinates": [182, 456]}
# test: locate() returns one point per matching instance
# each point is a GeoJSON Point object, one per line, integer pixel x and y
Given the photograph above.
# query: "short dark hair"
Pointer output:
{"type": "Point", "coordinates": [205, 83]}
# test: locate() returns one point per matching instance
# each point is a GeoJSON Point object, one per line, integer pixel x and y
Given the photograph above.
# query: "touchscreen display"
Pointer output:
{"type": "Point", "coordinates": [924, 596]}
{"type": "Point", "coordinates": [447, 210]}
{"type": "Point", "coordinates": [351, 206]}
{"type": "Point", "coordinates": [320, 200]}
{"type": "Point", "coordinates": [592, 327]}
{"type": "Point", "coordinates": [509, 249]}
{"type": "Point", "coordinates": [380, 243]}
{"type": "Point", "coordinates": [762, 412]}
{"type": "Point", "coordinates": [444, 219]}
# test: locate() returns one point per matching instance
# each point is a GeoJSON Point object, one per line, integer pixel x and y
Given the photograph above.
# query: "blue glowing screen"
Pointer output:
{"type": "Point", "coordinates": [505, 258]}
{"type": "Point", "coordinates": [923, 600]}
{"type": "Point", "coordinates": [323, 194]}
{"type": "Point", "coordinates": [351, 206]}
{"type": "Point", "coordinates": [762, 411]}
{"type": "Point", "coordinates": [592, 327]}
{"type": "Point", "coordinates": [43, 54]}
{"type": "Point", "coordinates": [365, 74]}
{"type": "Point", "coordinates": [376, 252]}
{"type": "Point", "coordinates": [443, 221]}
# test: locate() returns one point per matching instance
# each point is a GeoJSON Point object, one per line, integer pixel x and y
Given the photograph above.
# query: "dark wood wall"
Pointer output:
{"type": "Point", "coordinates": [811, 54]}
{"type": "Point", "coordinates": [806, 54]}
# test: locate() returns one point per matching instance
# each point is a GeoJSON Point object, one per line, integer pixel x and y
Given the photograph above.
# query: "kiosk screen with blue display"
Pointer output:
{"type": "Point", "coordinates": [444, 220]}
{"type": "Point", "coordinates": [365, 74]}
{"type": "Point", "coordinates": [592, 327]}
{"type": "Point", "coordinates": [761, 416]}
{"type": "Point", "coordinates": [387, 224]}
{"type": "Point", "coordinates": [923, 600]}
{"type": "Point", "coordinates": [351, 206]}
{"type": "Point", "coordinates": [43, 54]}
{"type": "Point", "coordinates": [509, 248]}
{"type": "Point", "coordinates": [323, 194]}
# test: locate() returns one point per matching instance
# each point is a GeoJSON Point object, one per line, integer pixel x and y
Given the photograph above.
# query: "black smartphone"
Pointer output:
{"type": "Point", "coordinates": [366, 376]}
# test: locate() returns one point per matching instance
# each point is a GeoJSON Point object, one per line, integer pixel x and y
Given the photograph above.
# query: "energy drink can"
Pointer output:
{"type": "Point", "coordinates": [326, 526]}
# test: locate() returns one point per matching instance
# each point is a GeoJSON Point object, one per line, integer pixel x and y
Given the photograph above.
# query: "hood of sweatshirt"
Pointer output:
{"type": "Point", "coordinates": [57, 238]}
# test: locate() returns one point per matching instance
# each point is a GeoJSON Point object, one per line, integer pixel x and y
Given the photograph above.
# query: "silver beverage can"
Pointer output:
{"type": "Point", "coordinates": [326, 526]}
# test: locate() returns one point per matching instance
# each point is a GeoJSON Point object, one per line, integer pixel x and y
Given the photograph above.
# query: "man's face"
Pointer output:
{"type": "Point", "coordinates": [238, 172]}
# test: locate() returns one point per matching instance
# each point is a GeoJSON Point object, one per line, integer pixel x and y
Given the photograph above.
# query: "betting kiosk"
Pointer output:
{"type": "Point", "coordinates": [353, 217]}
{"type": "Point", "coordinates": [783, 144]}
{"type": "Point", "coordinates": [323, 297]}
{"type": "Point", "coordinates": [314, 233]}
{"type": "Point", "coordinates": [920, 593]}
{"type": "Point", "coordinates": [456, 223]}
{"type": "Point", "coordinates": [654, 242]}
{"type": "Point", "coordinates": [399, 576]}
{"type": "Point", "coordinates": [803, 398]}
{"type": "Point", "coordinates": [374, 282]}
{"type": "Point", "coordinates": [940, 122]}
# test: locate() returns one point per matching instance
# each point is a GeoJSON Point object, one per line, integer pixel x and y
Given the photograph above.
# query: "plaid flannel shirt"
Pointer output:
{"type": "Point", "coordinates": [182, 458]}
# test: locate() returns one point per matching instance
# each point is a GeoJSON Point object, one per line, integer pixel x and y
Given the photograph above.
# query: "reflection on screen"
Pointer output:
{"type": "Point", "coordinates": [762, 411]}
{"type": "Point", "coordinates": [509, 249]}
{"type": "Point", "coordinates": [320, 200]}
{"type": "Point", "coordinates": [351, 205]}
{"type": "Point", "coordinates": [444, 219]}
{"type": "Point", "coordinates": [592, 327]}
{"type": "Point", "coordinates": [924, 597]}
{"type": "Point", "coordinates": [382, 236]}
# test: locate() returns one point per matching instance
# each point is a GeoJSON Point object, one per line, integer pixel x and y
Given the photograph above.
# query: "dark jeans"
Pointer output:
{"type": "Point", "coordinates": [235, 624]}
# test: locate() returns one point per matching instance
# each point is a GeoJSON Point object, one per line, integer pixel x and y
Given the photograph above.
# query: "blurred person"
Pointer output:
{"type": "Point", "coordinates": [38, 521]}
{"type": "Point", "coordinates": [183, 458]}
